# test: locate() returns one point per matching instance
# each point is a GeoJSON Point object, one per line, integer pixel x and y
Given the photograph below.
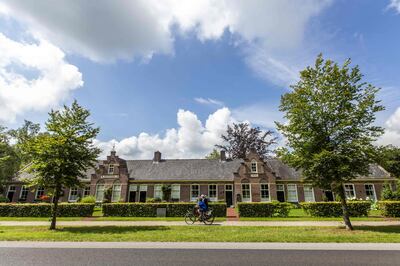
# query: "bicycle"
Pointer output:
{"type": "Point", "coordinates": [193, 215]}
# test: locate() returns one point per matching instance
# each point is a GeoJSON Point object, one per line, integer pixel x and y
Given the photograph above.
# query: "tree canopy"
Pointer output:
{"type": "Point", "coordinates": [9, 161]}
{"type": "Point", "coordinates": [329, 129]}
{"type": "Point", "coordinates": [241, 138]}
{"type": "Point", "coordinates": [213, 155]}
{"type": "Point", "coordinates": [389, 158]}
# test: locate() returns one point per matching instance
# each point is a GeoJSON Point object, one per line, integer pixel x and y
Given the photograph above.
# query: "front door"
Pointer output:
{"type": "Point", "coordinates": [142, 196]}
{"type": "Point", "coordinates": [329, 195]}
{"type": "Point", "coordinates": [132, 196]}
{"type": "Point", "coordinates": [11, 192]}
{"type": "Point", "coordinates": [229, 195]}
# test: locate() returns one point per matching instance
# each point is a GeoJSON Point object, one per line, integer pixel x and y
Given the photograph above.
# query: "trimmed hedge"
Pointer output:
{"type": "Point", "coordinates": [334, 209]}
{"type": "Point", "coordinates": [389, 208]}
{"type": "Point", "coordinates": [264, 209]}
{"type": "Point", "coordinates": [44, 210]}
{"type": "Point", "coordinates": [150, 209]}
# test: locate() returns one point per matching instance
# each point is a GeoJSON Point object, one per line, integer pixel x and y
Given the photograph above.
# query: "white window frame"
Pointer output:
{"type": "Point", "coordinates": [216, 192]}
{"type": "Point", "coordinates": [243, 198]}
{"type": "Point", "coordinates": [268, 190]}
{"type": "Point", "coordinates": [102, 191]}
{"type": "Point", "coordinates": [86, 191]}
{"type": "Point", "coordinates": [37, 192]}
{"type": "Point", "coordinates": [312, 199]}
{"type": "Point", "coordinates": [254, 163]}
{"type": "Point", "coordinates": [373, 191]}
{"type": "Point", "coordinates": [11, 188]}
{"type": "Point", "coordinates": [111, 169]}
{"type": "Point", "coordinates": [346, 190]}
{"type": "Point", "coordinates": [191, 192]}
{"type": "Point", "coordinates": [24, 189]}
{"type": "Point", "coordinates": [143, 188]}
{"type": "Point", "coordinates": [115, 192]}
{"type": "Point", "coordinates": [289, 199]}
{"type": "Point", "coordinates": [158, 190]}
{"type": "Point", "coordinates": [75, 189]}
{"type": "Point", "coordinates": [228, 189]}
{"type": "Point", "coordinates": [176, 192]}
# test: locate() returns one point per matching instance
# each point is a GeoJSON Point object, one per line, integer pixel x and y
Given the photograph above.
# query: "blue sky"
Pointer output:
{"type": "Point", "coordinates": [171, 76]}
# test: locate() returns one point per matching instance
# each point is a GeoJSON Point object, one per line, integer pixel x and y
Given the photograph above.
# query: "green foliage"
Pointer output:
{"type": "Point", "coordinates": [389, 158]}
{"type": "Point", "coordinates": [22, 136]}
{"type": "Point", "coordinates": [387, 193]}
{"type": "Point", "coordinates": [45, 210]}
{"type": "Point", "coordinates": [107, 195]}
{"type": "Point", "coordinates": [334, 209]}
{"type": "Point", "coordinates": [264, 209]}
{"type": "Point", "coordinates": [88, 199]}
{"type": "Point", "coordinates": [150, 209]}
{"type": "Point", "coordinates": [166, 190]}
{"type": "Point", "coordinates": [390, 208]}
{"type": "Point", "coordinates": [4, 199]}
{"type": "Point", "coordinates": [9, 161]}
{"type": "Point", "coordinates": [213, 155]}
{"type": "Point", "coordinates": [241, 138]}
{"type": "Point", "coordinates": [153, 200]}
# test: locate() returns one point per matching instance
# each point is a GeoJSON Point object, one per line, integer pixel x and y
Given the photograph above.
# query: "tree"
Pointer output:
{"type": "Point", "coordinates": [21, 136]}
{"type": "Point", "coordinates": [389, 158]}
{"type": "Point", "coordinates": [9, 162]}
{"type": "Point", "coordinates": [241, 138]}
{"type": "Point", "coordinates": [329, 128]}
{"type": "Point", "coordinates": [61, 155]}
{"type": "Point", "coordinates": [213, 155]}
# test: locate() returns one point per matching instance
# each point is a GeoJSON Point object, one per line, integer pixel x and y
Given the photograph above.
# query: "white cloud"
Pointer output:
{"type": "Point", "coordinates": [392, 132]}
{"type": "Point", "coordinates": [107, 30]}
{"type": "Point", "coordinates": [395, 4]}
{"type": "Point", "coordinates": [33, 77]}
{"type": "Point", "coordinates": [209, 101]}
{"type": "Point", "coordinates": [192, 138]}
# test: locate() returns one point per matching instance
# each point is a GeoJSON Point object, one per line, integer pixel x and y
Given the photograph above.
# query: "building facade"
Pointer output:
{"type": "Point", "coordinates": [249, 180]}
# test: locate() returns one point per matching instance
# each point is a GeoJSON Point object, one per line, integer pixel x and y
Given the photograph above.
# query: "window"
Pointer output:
{"type": "Point", "coordinates": [212, 192]}
{"type": "Point", "coordinates": [370, 191]}
{"type": "Point", "coordinates": [176, 192]}
{"type": "Point", "coordinates": [349, 191]}
{"type": "Point", "coordinates": [292, 193]}
{"type": "Point", "coordinates": [158, 194]}
{"type": "Point", "coordinates": [111, 169]}
{"type": "Point", "coordinates": [116, 192]}
{"type": "Point", "coordinates": [246, 194]}
{"type": "Point", "coordinates": [308, 193]}
{"type": "Point", "coordinates": [12, 189]}
{"type": "Point", "coordinates": [39, 192]}
{"type": "Point", "coordinates": [73, 194]}
{"type": "Point", "coordinates": [100, 192]}
{"type": "Point", "coordinates": [24, 193]}
{"type": "Point", "coordinates": [254, 166]}
{"type": "Point", "coordinates": [228, 187]}
{"type": "Point", "coordinates": [86, 191]}
{"type": "Point", "coordinates": [264, 191]}
{"type": "Point", "coordinates": [194, 192]}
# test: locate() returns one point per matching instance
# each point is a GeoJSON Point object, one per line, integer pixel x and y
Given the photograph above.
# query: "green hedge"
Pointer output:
{"type": "Point", "coordinates": [264, 209]}
{"type": "Point", "coordinates": [390, 208]}
{"type": "Point", "coordinates": [44, 210]}
{"type": "Point", "coordinates": [150, 209]}
{"type": "Point", "coordinates": [334, 209]}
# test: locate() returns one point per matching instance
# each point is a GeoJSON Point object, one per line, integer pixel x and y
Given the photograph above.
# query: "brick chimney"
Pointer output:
{"type": "Point", "coordinates": [222, 155]}
{"type": "Point", "coordinates": [157, 157]}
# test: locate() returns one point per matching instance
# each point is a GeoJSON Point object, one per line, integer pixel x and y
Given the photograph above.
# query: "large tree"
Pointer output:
{"type": "Point", "coordinates": [241, 138]}
{"type": "Point", "coordinates": [61, 155]}
{"type": "Point", "coordinates": [329, 129]}
{"type": "Point", "coordinates": [389, 158]}
{"type": "Point", "coordinates": [213, 155]}
{"type": "Point", "coordinates": [21, 136]}
{"type": "Point", "coordinates": [9, 161]}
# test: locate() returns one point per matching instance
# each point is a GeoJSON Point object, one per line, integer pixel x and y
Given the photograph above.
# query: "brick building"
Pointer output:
{"type": "Point", "coordinates": [248, 180]}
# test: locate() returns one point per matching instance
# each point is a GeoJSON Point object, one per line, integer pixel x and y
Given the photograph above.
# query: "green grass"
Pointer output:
{"type": "Point", "coordinates": [300, 215]}
{"type": "Point", "coordinates": [25, 219]}
{"type": "Point", "coordinates": [203, 233]}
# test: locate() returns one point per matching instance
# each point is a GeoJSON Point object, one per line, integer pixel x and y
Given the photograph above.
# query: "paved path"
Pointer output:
{"type": "Point", "coordinates": [179, 223]}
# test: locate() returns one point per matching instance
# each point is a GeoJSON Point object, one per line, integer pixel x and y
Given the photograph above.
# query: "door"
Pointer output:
{"type": "Point", "coordinates": [229, 195]}
{"type": "Point", "coordinates": [280, 192]}
{"type": "Point", "coordinates": [132, 196]}
{"type": "Point", "coordinates": [142, 196]}
{"type": "Point", "coordinates": [329, 195]}
{"type": "Point", "coordinates": [11, 192]}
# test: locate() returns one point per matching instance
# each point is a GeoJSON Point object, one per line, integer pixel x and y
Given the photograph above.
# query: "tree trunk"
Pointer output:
{"type": "Point", "coordinates": [346, 217]}
{"type": "Point", "coordinates": [55, 208]}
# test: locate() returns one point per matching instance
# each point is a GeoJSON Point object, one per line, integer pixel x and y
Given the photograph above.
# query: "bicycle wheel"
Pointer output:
{"type": "Point", "coordinates": [209, 219]}
{"type": "Point", "coordinates": [190, 218]}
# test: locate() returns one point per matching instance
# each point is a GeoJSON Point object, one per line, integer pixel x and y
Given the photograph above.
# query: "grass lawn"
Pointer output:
{"type": "Point", "coordinates": [203, 233]}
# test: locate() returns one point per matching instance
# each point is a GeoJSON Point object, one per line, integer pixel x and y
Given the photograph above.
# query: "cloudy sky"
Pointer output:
{"type": "Point", "coordinates": [170, 75]}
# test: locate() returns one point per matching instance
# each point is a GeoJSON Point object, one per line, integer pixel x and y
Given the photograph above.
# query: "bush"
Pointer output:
{"type": "Point", "coordinates": [390, 208]}
{"type": "Point", "coordinates": [88, 199]}
{"type": "Point", "coordinates": [4, 199]}
{"type": "Point", "coordinates": [264, 209]}
{"type": "Point", "coordinates": [44, 210]}
{"type": "Point", "coordinates": [334, 209]}
{"type": "Point", "coordinates": [150, 209]}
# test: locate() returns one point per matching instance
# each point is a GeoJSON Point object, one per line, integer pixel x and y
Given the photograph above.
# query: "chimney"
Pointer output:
{"type": "Point", "coordinates": [222, 156]}
{"type": "Point", "coordinates": [157, 157]}
{"type": "Point", "coordinates": [113, 152]}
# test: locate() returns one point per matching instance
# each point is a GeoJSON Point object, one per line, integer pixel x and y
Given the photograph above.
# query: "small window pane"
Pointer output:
{"type": "Point", "coordinates": [73, 194]}
{"type": "Point", "coordinates": [246, 194]}
{"type": "Point", "coordinates": [195, 192]}
{"type": "Point", "coordinates": [212, 192]}
{"type": "Point", "coordinates": [116, 193]}
{"type": "Point", "coordinates": [158, 194]}
{"type": "Point", "coordinates": [349, 191]}
{"type": "Point", "coordinates": [370, 191]}
{"type": "Point", "coordinates": [254, 167]}
{"type": "Point", "coordinates": [264, 189]}
{"type": "Point", "coordinates": [176, 192]}
{"type": "Point", "coordinates": [308, 194]}
{"type": "Point", "coordinates": [100, 192]}
{"type": "Point", "coordinates": [24, 193]}
{"type": "Point", "coordinates": [292, 193]}
{"type": "Point", "coordinates": [39, 192]}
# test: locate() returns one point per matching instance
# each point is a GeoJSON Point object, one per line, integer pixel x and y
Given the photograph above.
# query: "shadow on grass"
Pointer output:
{"type": "Point", "coordinates": [111, 229]}
{"type": "Point", "coordinates": [382, 229]}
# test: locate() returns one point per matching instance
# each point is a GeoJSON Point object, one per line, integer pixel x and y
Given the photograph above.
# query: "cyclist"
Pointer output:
{"type": "Point", "coordinates": [203, 206]}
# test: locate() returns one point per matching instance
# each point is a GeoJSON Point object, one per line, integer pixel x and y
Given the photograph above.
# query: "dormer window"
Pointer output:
{"type": "Point", "coordinates": [111, 169]}
{"type": "Point", "coordinates": [253, 166]}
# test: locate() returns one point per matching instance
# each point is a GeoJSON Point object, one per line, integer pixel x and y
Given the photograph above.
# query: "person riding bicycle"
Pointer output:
{"type": "Point", "coordinates": [203, 205]}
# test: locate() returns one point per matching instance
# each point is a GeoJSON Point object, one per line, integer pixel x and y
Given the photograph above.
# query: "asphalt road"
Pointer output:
{"type": "Point", "coordinates": [144, 257]}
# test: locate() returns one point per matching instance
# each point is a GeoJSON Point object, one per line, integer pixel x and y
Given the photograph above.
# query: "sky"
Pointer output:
{"type": "Point", "coordinates": [171, 75]}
